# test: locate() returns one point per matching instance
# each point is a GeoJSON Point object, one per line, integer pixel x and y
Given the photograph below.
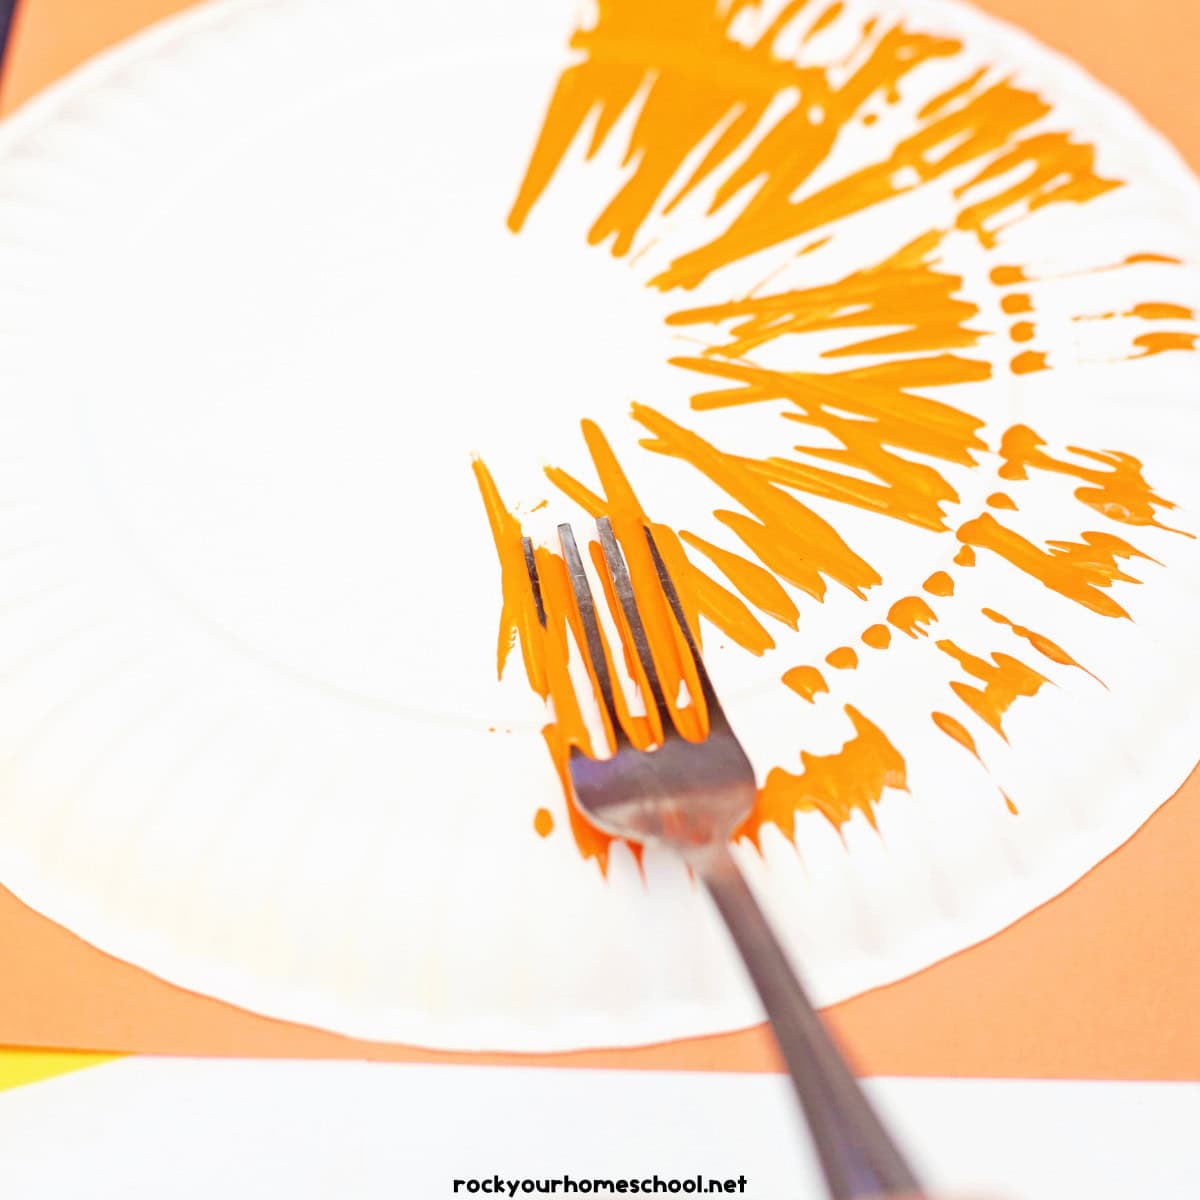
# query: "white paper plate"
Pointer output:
{"type": "Point", "coordinates": [259, 305]}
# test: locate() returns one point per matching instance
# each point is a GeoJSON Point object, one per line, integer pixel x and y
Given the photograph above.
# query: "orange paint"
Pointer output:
{"type": "Point", "coordinates": [836, 785]}
{"type": "Point", "coordinates": [543, 822]}
{"type": "Point", "coordinates": [1004, 678]}
{"type": "Point", "coordinates": [1002, 500]}
{"type": "Point", "coordinates": [1027, 362]}
{"type": "Point", "coordinates": [1042, 644]}
{"type": "Point", "coordinates": [956, 730]}
{"type": "Point", "coordinates": [878, 637]}
{"type": "Point", "coordinates": [844, 658]}
{"type": "Point", "coordinates": [806, 682]}
{"type": "Point", "coordinates": [965, 556]}
{"type": "Point", "coordinates": [756, 583]}
{"type": "Point", "coordinates": [1162, 312]}
{"type": "Point", "coordinates": [939, 584]}
{"type": "Point", "coordinates": [1114, 483]}
{"type": "Point", "coordinates": [1016, 302]}
{"type": "Point", "coordinates": [1160, 343]}
{"type": "Point", "coordinates": [910, 615]}
{"type": "Point", "coordinates": [1076, 570]}
{"type": "Point", "coordinates": [1022, 331]}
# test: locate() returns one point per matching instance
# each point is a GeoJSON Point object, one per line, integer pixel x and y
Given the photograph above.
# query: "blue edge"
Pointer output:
{"type": "Point", "coordinates": [7, 8]}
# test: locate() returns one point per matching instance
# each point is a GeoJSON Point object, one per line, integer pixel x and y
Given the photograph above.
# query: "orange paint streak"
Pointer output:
{"type": "Point", "coordinates": [1042, 644]}
{"type": "Point", "coordinates": [905, 290]}
{"type": "Point", "coordinates": [878, 637]}
{"type": "Point", "coordinates": [1077, 570]}
{"type": "Point", "coordinates": [1002, 500]}
{"type": "Point", "coordinates": [785, 535]}
{"type": "Point", "coordinates": [910, 615]}
{"type": "Point", "coordinates": [939, 584]}
{"type": "Point", "coordinates": [1004, 678]}
{"type": "Point", "coordinates": [756, 583]}
{"type": "Point", "coordinates": [1160, 343]}
{"type": "Point", "coordinates": [1162, 312]}
{"type": "Point", "coordinates": [954, 729]}
{"type": "Point", "coordinates": [875, 418]}
{"type": "Point", "coordinates": [836, 785]}
{"type": "Point", "coordinates": [543, 822]}
{"type": "Point", "coordinates": [806, 682]}
{"type": "Point", "coordinates": [1027, 362]}
{"type": "Point", "coordinates": [1114, 483]}
{"type": "Point", "coordinates": [844, 658]}
{"type": "Point", "coordinates": [1007, 275]}
{"type": "Point", "coordinates": [965, 556]}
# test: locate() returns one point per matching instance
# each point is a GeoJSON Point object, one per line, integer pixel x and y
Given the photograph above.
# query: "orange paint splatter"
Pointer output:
{"type": "Point", "coordinates": [965, 556]}
{"type": "Point", "coordinates": [756, 583]}
{"type": "Point", "coordinates": [956, 730]}
{"type": "Point", "coordinates": [1004, 678]}
{"type": "Point", "coordinates": [1042, 644]}
{"type": "Point", "coordinates": [844, 658]}
{"type": "Point", "coordinates": [1114, 482]}
{"type": "Point", "coordinates": [939, 584]}
{"type": "Point", "coordinates": [1027, 362]}
{"type": "Point", "coordinates": [1016, 302]}
{"type": "Point", "coordinates": [1076, 570]}
{"type": "Point", "coordinates": [806, 682]}
{"type": "Point", "coordinates": [911, 614]}
{"type": "Point", "coordinates": [878, 637]}
{"type": "Point", "coordinates": [1022, 331]}
{"type": "Point", "coordinates": [1002, 500]}
{"type": "Point", "coordinates": [835, 785]}
{"type": "Point", "coordinates": [543, 822]}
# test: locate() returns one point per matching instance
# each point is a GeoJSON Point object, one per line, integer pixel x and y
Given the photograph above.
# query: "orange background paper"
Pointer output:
{"type": "Point", "coordinates": [1099, 983]}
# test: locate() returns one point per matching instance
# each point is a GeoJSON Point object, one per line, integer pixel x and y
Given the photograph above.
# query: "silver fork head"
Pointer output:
{"type": "Point", "coordinates": [681, 793]}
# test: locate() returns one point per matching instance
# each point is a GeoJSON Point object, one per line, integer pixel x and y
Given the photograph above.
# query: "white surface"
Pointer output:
{"type": "Point", "coordinates": [143, 1129]}
{"type": "Point", "coordinates": [252, 323]}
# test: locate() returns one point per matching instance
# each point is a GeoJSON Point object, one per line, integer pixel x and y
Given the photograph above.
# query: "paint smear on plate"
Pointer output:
{"type": "Point", "coordinates": [745, 109]}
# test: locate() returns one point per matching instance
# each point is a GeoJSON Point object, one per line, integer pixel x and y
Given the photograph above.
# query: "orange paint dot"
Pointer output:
{"type": "Point", "coordinates": [965, 557]}
{"type": "Point", "coordinates": [878, 637]}
{"type": "Point", "coordinates": [543, 822]}
{"type": "Point", "coordinates": [1002, 500]}
{"type": "Point", "coordinates": [806, 682]}
{"type": "Point", "coordinates": [939, 584]}
{"type": "Point", "coordinates": [1016, 302]}
{"type": "Point", "coordinates": [842, 659]}
{"type": "Point", "coordinates": [1027, 362]}
{"type": "Point", "coordinates": [1022, 331]}
{"type": "Point", "coordinates": [911, 614]}
{"type": "Point", "coordinates": [1003, 275]}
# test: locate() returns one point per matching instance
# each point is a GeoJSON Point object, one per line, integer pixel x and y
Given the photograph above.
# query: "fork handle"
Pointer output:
{"type": "Point", "coordinates": [857, 1155]}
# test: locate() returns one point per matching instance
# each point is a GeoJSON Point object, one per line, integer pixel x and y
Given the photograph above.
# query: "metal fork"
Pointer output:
{"type": "Point", "coordinates": [690, 796]}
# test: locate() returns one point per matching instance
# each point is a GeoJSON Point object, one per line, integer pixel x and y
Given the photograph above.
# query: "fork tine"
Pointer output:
{"type": "Point", "coordinates": [534, 581]}
{"type": "Point", "coordinates": [623, 586]}
{"type": "Point", "coordinates": [591, 629]}
{"type": "Point", "coordinates": [716, 714]}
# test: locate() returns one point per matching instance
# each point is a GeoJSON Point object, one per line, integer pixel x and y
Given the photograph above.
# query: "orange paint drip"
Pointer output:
{"type": "Point", "coordinates": [806, 682]}
{"type": "Point", "coordinates": [1004, 678]}
{"type": "Point", "coordinates": [784, 534]}
{"type": "Point", "coordinates": [1042, 644]}
{"type": "Point", "coordinates": [1027, 362]}
{"type": "Point", "coordinates": [1160, 343]}
{"type": "Point", "coordinates": [543, 823]}
{"type": "Point", "coordinates": [1114, 483]}
{"type": "Point", "coordinates": [1002, 500]}
{"type": "Point", "coordinates": [965, 556]}
{"type": "Point", "coordinates": [844, 658]}
{"type": "Point", "coordinates": [835, 785]}
{"type": "Point", "coordinates": [876, 420]}
{"type": "Point", "coordinates": [878, 637]}
{"type": "Point", "coordinates": [1077, 570]}
{"type": "Point", "coordinates": [939, 584]}
{"type": "Point", "coordinates": [910, 615]}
